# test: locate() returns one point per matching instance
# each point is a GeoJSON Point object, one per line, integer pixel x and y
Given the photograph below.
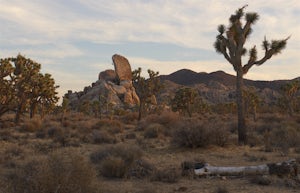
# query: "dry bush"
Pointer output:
{"type": "Point", "coordinates": [60, 172]}
{"type": "Point", "coordinates": [167, 118]}
{"type": "Point", "coordinates": [130, 117]}
{"type": "Point", "coordinates": [115, 161]}
{"type": "Point", "coordinates": [14, 150]}
{"type": "Point", "coordinates": [32, 125]}
{"type": "Point", "coordinates": [112, 126]}
{"type": "Point", "coordinates": [221, 190]}
{"type": "Point", "coordinates": [102, 136]}
{"type": "Point", "coordinates": [153, 130]}
{"type": "Point", "coordinates": [114, 167]}
{"type": "Point", "coordinates": [166, 175]}
{"type": "Point", "coordinates": [194, 133]}
{"type": "Point", "coordinates": [141, 168]}
{"type": "Point", "coordinates": [191, 134]}
{"type": "Point", "coordinates": [261, 180]}
{"type": "Point", "coordinates": [284, 138]}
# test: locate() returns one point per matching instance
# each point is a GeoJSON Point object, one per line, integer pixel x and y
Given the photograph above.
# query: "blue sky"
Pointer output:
{"type": "Point", "coordinates": [75, 39]}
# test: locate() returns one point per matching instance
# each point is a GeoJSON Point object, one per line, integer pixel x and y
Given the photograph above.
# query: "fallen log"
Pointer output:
{"type": "Point", "coordinates": [286, 168]}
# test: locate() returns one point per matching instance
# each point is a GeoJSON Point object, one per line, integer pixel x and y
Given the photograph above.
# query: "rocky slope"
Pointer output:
{"type": "Point", "coordinates": [219, 87]}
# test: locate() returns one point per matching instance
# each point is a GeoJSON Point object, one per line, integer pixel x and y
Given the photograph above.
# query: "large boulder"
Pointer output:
{"type": "Point", "coordinates": [108, 75]}
{"type": "Point", "coordinates": [115, 85]}
{"type": "Point", "coordinates": [122, 67]}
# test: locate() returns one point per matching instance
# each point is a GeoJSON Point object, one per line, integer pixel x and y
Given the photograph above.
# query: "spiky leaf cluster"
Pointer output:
{"type": "Point", "coordinates": [230, 42]}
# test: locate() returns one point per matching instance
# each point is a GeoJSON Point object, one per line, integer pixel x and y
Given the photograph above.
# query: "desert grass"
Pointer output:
{"type": "Point", "coordinates": [114, 155]}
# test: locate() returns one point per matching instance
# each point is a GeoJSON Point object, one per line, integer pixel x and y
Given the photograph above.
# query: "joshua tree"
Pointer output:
{"type": "Point", "coordinates": [251, 101]}
{"type": "Point", "coordinates": [289, 96]}
{"type": "Point", "coordinates": [7, 95]}
{"type": "Point", "coordinates": [22, 85]}
{"type": "Point", "coordinates": [230, 43]}
{"type": "Point", "coordinates": [145, 89]}
{"type": "Point", "coordinates": [183, 99]}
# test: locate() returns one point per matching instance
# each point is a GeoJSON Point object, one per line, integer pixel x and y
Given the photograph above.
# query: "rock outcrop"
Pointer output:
{"type": "Point", "coordinates": [113, 86]}
{"type": "Point", "coordinates": [122, 67]}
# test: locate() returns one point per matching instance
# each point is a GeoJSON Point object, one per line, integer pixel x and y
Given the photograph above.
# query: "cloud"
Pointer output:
{"type": "Point", "coordinates": [73, 37]}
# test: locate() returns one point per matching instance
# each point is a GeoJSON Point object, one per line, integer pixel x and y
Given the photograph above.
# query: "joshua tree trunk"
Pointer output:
{"type": "Point", "coordinates": [242, 130]}
{"type": "Point", "coordinates": [141, 108]}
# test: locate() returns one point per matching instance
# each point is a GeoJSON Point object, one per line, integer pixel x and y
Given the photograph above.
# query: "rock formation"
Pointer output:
{"type": "Point", "coordinates": [113, 86]}
{"type": "Point", "coordinates": [122, 68]}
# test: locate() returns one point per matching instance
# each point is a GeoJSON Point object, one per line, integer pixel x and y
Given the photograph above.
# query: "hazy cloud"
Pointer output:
{"type": "Point", "coordinates": [73, 37]}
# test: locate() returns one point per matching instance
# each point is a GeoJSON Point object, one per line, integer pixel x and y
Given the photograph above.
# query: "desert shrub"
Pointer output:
{"type": "Point", "coordinates": [261, 180]}
{"type": "Point", "coordinates": [60, 172]}
{"type": "Point", "coordinates": [130, 117]}
{"type": "Point", "coordinates": [141, 168]}
{"type": "Point", "coordinates": [102, 136]}
{"type": "Point", "coordinates": [153, 130]}
{"type": "Point", "coordinates": [284, 138]}
{"type": "Point", "coordinates": [191, 134]}
{"type": "Point", "coordinates": [221, 190]}
{"type": "Point", "coordinates": [115, 161]}
{"type": "Point", "coordinates": [167, 118]}
{"type": "Point", "coordinates": [130, 136]}
{"type": "Point", "coordinates": [219, 133]}
{"type": "Point", "coordinates": [166, 175]}
{"type": "Point", "coordinates": [112, 126]}
{"type": "Point", "coordinates": [32, 125]}
{"type": "Point", "coordinates": [195, 133]}
{"type": "Point", "coordinates": [113, 167]}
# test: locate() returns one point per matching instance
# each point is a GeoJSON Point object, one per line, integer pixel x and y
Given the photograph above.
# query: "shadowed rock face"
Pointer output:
{"type": "Point", "coordinates": [122, 67]}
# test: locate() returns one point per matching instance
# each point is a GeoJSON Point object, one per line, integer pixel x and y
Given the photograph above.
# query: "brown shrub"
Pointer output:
{"type": "Point", "coordinates": [115, 161]}
{"type": "Point", "coordinates": [114, 167]}
{"type": "Point", "coordinates": [284, 138]}
{"type": "Point", "coordinates": [153, 130]}
{"type": "Point", "coordinates": [191, 134]}
{"type": "Point", "coordinates": [195, 133]}
{"type": "Point", "coordinates": [112, 126]}
{"type": "Point", "coordinates": [130, 118]}
{"type": "Point", "coordinates": [166, 118]}
{"type": "Point", "coordinates": [60, 172]}
{"type": "Point", "coordinates": [102, 136]}
{"type": "Point", "coordinates": [261, 180]}
{"type": "Point", "coordinates": [221, 190]}
{"type": "Point", "coordinates": [166, 175]}
{"type": "Point", "coordinates": [32, 125]}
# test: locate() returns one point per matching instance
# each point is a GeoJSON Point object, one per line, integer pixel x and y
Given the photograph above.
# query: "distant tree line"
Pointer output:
{"type": "Point", "coordinates": [23, 88]}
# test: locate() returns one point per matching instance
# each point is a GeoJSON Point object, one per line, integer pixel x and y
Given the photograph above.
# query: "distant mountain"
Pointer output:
{"type": "Point", "coordinates": [218, 86]}
{"type": "Point", "coordinates": [188, 77]}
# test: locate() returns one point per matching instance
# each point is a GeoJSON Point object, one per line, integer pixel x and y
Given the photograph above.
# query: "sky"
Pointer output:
{"type": "Point", "coordinates": [74, 40]}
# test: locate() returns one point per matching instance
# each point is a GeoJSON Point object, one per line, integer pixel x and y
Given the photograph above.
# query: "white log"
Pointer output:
{"type": "Point", "coordinates": [234, 171]}
{"type": "Point", "coordinates": [263, 169]}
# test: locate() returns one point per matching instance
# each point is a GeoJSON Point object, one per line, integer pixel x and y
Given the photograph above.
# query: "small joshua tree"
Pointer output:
{"type": "Point", "coordinates": [230, 43]}
{"type": "Point", "coordinates": [145, 89]}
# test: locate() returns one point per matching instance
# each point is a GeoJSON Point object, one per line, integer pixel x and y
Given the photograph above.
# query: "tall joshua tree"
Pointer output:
{"type": "Point", "coordinates": [230, 43]}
